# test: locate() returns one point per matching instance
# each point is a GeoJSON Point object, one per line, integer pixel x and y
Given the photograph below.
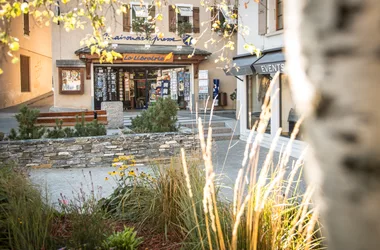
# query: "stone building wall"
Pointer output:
{"type": "Point", "coordinates": [82, 152]}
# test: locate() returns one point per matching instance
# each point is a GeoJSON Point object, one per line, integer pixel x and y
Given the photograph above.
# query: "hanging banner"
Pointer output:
{"type": "Point", "coordinates": [215, 92]}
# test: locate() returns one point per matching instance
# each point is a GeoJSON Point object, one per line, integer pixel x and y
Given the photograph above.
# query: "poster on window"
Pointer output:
{"type": "Point", "coordinates": [187, 86]}
{"type": "Point", "coordinates": [71, 80]}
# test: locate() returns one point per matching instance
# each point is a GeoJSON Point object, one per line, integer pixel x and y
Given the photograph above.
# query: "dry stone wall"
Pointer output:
{"type": "Point", "coordinates": [97, 151]}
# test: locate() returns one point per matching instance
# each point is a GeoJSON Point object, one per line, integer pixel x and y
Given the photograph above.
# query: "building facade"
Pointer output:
{"type": "Point", "coordinates": [151, 66]}
{"type": "Point", "coordinates": [31, 77]}
{"type": "Point", "coordinates": [265, 22]}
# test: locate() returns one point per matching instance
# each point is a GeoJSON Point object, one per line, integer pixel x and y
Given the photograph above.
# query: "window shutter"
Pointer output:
{"type": "Point", "coordinates": [127, 20]}
{"type": "Point", "coordinates": [213, 16]}
{"type": "Point", "coordinates": [172, 19]}
{"type": "Point", "coordinates": [152, 11]}
{"type": "Point", "coordinates": [235, 11]}
{"type": "Point", "coordinates": [196, 26]}
{"type": "Point", "coordinates": [25, 73]}
{"type": "Point", "coordinates": [263, 17]}
{"type": "Point", "coordinates": [26, 24]}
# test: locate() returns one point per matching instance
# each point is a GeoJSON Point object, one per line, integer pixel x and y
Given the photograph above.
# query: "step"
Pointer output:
{"type": "Point", "coordinates": [205, 125]}
{"type": "Point", "coordinates": [224, 137]}
{"type": "Point", "coordinates": [215, 130]}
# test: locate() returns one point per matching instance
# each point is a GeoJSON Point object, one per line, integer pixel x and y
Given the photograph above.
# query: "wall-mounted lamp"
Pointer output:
{"type": "Point", "coordinates": [147, 46]}
{"type": "Point", "coordinates": [179, 47]}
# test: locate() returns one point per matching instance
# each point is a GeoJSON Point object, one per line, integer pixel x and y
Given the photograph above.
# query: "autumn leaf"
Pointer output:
{"type": "Point", "coordinates": [246, 5]}
{"type": "Point", "coordinates": [14, 46]}
{"type": "Point", "coordinates": [1, 71]}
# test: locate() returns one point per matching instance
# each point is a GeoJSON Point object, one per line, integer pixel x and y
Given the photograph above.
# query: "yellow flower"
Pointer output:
{"type": "Point", "coordinates": [143, 174]}
{"type": "Point", "coordinates": [121, 173]}
{"type": "Point", "coordinates": [120, 168]}
{"type": "Point", "coordinates": [124, 166]}
{"type": "Point", "coordinates": [110, 173]}
{"type": "Point", "coordinates": [106, 179]}
{"type": "Point", "coordinates": [115, 160]}
{"type": "Point", "coordinates": [132, 173]}
{"type": "Point", "coordinates": [113, 173]}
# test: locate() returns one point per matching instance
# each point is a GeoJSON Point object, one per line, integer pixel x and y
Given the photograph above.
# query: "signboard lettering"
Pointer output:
{"type": "Point", "coordinates": [148, 58]}
{"type": "Point", "coordinates": [270, 68]}
{"type": "Point", "coordinates": [142, 38]}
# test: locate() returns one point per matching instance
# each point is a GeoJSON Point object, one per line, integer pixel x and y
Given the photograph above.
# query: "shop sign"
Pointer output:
{"type": "Point", "coordinates": [270, 68]}
{"type": "Point", "coordinates": [152, 39]}
{"type": "Point", "coordinates": [148, 58]}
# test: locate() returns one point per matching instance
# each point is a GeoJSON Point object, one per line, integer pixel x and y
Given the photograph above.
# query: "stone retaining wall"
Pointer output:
{"type": "Point", "coordinates": [82, 152]}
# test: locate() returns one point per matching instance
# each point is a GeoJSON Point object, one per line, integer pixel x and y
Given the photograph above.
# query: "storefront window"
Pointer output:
{"type": "Point", "coordinates": [257, 87]}
{"type": "Point", "coordinates": [288, 111]}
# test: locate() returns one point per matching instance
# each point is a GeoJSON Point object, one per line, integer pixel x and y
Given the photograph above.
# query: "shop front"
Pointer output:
{"type": "Point", "coordinates": [252, 87]}
{"type": "Point", "coordinates": [137, 80]}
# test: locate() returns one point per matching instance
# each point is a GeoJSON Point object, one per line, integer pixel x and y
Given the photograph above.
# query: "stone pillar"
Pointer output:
{"type": "Point", "coordinates": [114, 114]}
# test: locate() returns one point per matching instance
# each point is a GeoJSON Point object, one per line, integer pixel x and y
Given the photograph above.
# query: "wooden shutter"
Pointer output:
{"type": "Point", "coordinates": [26, 24]}
{"type": "Point", "coordinates": [152, 11]}
{"type": "Point", "coordinates": [235, 11]}
{"type": "Point", "coordinates": [25, 73]}
{"type": "Point", "coordinates": [172, 19]}
{"type": "Point", "coordinates": [127, 20]}
{"type": "Point", "coordinates": [214, 18]}
{"type": "Point", "coordinates": [262, 17]}
{"type": "Point", "coordinates": [196, 26]}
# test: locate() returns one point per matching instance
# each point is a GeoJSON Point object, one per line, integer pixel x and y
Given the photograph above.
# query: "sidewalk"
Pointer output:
{"type": "Point", "coordinates": [69, 181]}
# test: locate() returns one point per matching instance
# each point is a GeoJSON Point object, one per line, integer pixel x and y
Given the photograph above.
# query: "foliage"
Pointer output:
{"type": "Point", "coordinates": [25, 218]}
{"type": "Point", "coordinates": [123, 240]}
{"type": "Point", "coordinates": [59, 132]}
{"type": "Point", "coordinates": [233, 95]}
{"type": "Point", "coordinates": [143, 26]}
{"type": "Point", "coordinates": [161, 117]}
{"type": "Point", "coordinates": [2, 136]}
{"type": "Point", "coordinates": [93, 128]}
{"type": "Point", "coordinates": [27, 129]}
{"type": "Point", "coordinates": [88, 224]}
{"type": "Point", "coordinates": [183, 28]}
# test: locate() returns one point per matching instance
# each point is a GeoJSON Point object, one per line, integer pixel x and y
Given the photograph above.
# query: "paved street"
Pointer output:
{"type": "Point", "coordinates": [67, 181]}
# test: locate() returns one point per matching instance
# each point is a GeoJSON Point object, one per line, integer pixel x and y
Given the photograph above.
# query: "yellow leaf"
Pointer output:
{"type": "Point", "coordinates": [14, 46]}
{"type": "Point", "coordinates": [37, 13]}
{"type": "Point", "coordinates": [65, 1]}
{"type": "Point", "coordinates": [159, 17]}
{"type": "Point", "coordinates": [93, 49]}
{"type": "Point", "coordinates": [25, 8]}
{"type": "Point", "coordinates": [15, 60]}
{"type": "Point", "coordinates": [1, 71]}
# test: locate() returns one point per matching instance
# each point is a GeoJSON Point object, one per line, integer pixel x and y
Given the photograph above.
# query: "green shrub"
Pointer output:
{"type": "Point", "coordinates": [89, 226]}
{"type": "Point", "coordinates": [93, 128]}
{"type": "Point", "coordinates": [27, 129]}
{"type": "Point", "coordinates": [161, 117]}
{"type": "Point", "coordinates": [25, 218]}
{"type": "Point", "coordinates": [2, 136]}
{"type": "Point", "coordinates": [81, 129]}
{"type": "Point", "coordinates": [123, 240]}
{"type": "Point", "coordinates": [59, 132]}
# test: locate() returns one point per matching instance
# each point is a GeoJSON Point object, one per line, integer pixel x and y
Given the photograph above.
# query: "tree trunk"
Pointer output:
{"type": "Point", "coordinates": [333, 59]}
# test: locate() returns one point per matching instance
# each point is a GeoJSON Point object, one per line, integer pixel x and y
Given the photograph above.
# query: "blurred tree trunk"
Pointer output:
{"type": "Point", "coordinates": [333, 59]}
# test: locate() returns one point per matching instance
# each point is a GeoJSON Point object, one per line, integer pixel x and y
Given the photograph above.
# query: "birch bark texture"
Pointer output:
{"type": "Point", "coordinates": [333, 60]}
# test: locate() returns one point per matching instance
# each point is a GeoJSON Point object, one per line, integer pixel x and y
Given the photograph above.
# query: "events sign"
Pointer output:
{"type": "Point", "coordinates": [270, 68]}
{"type": "Point", "coordinates": [148, 58]}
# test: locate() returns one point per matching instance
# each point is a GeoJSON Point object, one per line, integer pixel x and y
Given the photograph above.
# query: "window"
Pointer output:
{"type": "Point", "coordinates": [185, 19]}
{"type": "Point", "coordinates": [279, 14]}
{"type": "Point", "coordinates": [288, 111]}
{"type": "Point", "coordinates": [25, 73]}
{"type": "Point", "coordinates": [136, 19]}
{"type": "Point", "coordinates": [26, 24]}
{"type": "Point", "coordinates": [257, 87]}
{"type": "Point", "coordinates": [224, 18]}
